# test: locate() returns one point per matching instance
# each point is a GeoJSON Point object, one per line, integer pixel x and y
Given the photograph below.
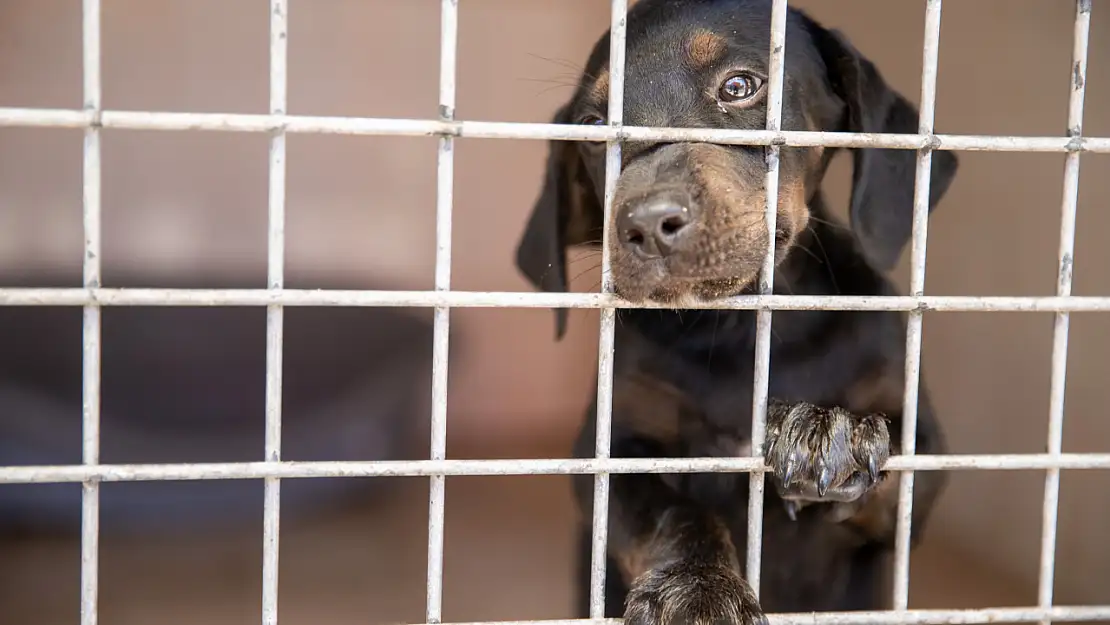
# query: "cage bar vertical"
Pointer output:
{"type": "Point", "coordinates": [762, 366]}
{"type": "Point", "coordinates": [90, 404]}
{"type": "Point", "coordinates": [922, 179]}
{"type": "Point", "coordinates": [445, 172]}
{"type": "Point", "coordinates": [1077, 81]}
{"type": "Point", "coordinates": [607, 329]}
{"type": "Point", "coordinates": [275, 315]}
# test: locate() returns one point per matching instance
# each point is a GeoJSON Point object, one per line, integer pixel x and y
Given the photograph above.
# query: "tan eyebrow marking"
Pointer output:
{"type": "Point", "coordinates": [600, 90]}
{"type": "Point", "coordinates": [705, 48]}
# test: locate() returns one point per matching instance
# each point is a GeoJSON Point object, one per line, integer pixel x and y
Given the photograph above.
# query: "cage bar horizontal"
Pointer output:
{"type": "Point", "coordinates": [905, 617]}
{"type": "Point", "coordinates": [569, 466]}
{"type": "Point", "coordinates": [508, 299]}
{"type": "Point", "coordinates": [302, 124]}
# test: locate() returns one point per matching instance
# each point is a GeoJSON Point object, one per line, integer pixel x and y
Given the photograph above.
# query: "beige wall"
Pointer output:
{"type": "Point", "coordinates": [366, 205]}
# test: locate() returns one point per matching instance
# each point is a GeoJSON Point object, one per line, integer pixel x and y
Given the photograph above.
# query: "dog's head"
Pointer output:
{"type": "Point", "coordinates": [688, 220]}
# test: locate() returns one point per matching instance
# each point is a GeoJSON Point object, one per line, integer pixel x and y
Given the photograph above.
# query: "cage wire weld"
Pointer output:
{"type": "Point", "coordinates": [278, 123]}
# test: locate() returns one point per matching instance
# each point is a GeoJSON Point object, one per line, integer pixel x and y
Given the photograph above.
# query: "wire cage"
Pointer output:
{"type": "Point", "coordinates": [278, 124]}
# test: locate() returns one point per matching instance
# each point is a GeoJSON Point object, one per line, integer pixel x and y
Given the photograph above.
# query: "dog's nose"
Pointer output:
{"type": "Point", "coordinates": [653, 230]}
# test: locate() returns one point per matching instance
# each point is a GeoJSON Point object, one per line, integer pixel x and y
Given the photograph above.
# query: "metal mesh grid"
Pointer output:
{"type": "Point", "coordinates": [278, 123]}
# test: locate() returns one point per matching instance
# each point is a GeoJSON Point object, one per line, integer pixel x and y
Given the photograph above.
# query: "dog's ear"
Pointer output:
{"type": "Point", "coordinates": [881, 210]}
{"type": "Point", "coordinates": [567, 212]}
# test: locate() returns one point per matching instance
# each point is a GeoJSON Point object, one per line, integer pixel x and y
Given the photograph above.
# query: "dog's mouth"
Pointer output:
{"type": "Point", "coordinates": [691, 280]}
{"type": "Point", "coordinates": [671, 284]}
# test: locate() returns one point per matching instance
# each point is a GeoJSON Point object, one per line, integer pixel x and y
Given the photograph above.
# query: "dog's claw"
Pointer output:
{"type": "Point", "coordinates": [873, 468]}
{"type": "Point", "coordinates": [791, 509]}
{"type": "Point", "coordinates": [824, 480]}
{"type": "Point", "coordinates": [788, 472]}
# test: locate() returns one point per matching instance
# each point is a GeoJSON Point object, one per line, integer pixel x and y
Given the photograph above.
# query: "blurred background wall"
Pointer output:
{"type": "Point", "coordinates": [185, 202]}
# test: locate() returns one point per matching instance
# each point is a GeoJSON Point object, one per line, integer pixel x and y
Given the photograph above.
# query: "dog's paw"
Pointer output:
{"type": "Point", "coordinates": [824, 454]}
{"type": "Point", "coordinates": [692, 594]}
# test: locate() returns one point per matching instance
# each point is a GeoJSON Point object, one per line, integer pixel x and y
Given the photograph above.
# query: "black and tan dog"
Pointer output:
{"type": "Point", "coordinates": [688, 225]}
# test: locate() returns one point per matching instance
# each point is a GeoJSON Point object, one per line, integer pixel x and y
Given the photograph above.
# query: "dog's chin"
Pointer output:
{"type": "Point", "coordinates": [675, 292]}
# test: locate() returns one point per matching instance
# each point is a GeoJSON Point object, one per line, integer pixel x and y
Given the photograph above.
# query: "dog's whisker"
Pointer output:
{"type": "Point", "coordinates": [553, 88]}
{"type": "Point", "coordinates": [713, 340]}
{"type": "Point", "coordinates": [828, 263]}
{"type": "Point", "coordinates": [810, 252]}
{"type": "Point", "coordinates": [829, 223]}
{"type": "Point", "coordinates": [575, 261]}
{"type": "Point", "coordinates": [584, 272]}
{"type": "Point", "coordinates": [547, 81]}
{"type": "Point", "coordinates": [577, 69]}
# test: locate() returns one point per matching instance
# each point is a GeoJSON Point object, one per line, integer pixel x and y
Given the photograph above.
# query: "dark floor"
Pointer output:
{"type": "Point", "coordinates": [508, 546]}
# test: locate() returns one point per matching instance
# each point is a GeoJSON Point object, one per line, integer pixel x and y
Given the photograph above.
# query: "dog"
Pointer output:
{"type": "Point", "coordinates": [688, 225]}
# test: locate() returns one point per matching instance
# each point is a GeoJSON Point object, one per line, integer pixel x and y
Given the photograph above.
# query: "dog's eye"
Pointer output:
{"type": "Point", "coordinates": [739, 87]}
{"type": "Point", "coordinates": [591, 120]}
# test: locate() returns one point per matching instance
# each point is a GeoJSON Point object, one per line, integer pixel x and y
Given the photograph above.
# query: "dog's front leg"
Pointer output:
{"type": "Point", "coordinates": [677, 557]}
